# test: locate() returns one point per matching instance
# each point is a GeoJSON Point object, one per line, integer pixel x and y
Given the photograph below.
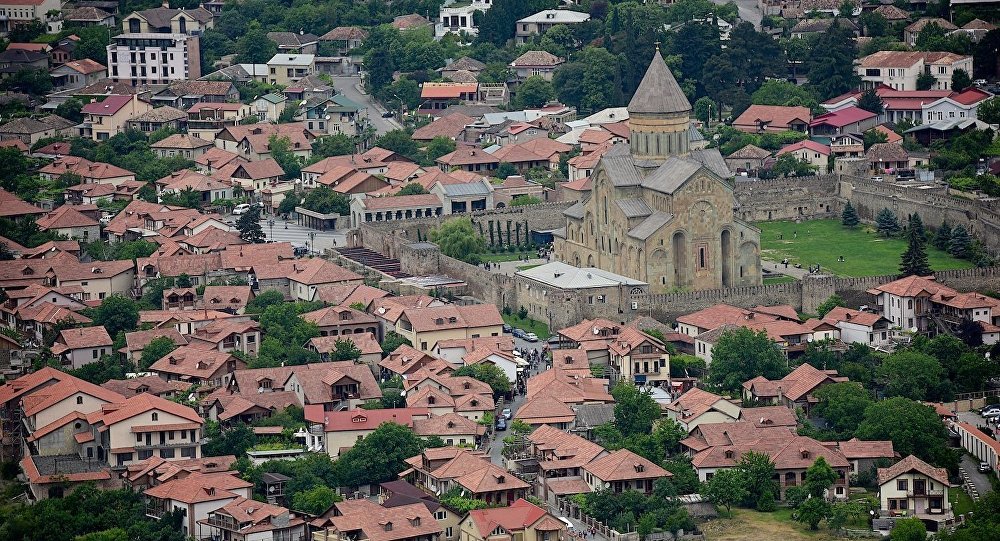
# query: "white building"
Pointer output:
{"type": "Point", "coordinates": [16, 12]}
{"type": "Point", "coordinates": [153, 58]}
{"type": "Point", "coordinates": [859, 327]}
{"type": "Point", "coordinates": [457, 19]}
{"type": "Point", "coordinates": [901, 69]}
{"type": "Point", "coordinates": [541, 22]}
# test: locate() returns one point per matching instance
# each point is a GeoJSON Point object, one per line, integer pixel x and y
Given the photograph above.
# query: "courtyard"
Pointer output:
{"type": "Point", "coordinates": [824, 241]}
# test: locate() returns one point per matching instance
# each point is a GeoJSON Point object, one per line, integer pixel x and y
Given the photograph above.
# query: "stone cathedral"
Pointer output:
{"type": "Point", "coordinates": [658, 211]}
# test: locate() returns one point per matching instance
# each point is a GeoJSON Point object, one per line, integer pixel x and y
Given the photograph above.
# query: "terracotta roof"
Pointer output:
{"type": "Point", "coordinates": [536, 59]}
{"type": "Point", "coordinates": [316, 384]}
{"type": "Point", "coordinates": [154, 385]}
{"type": "Point", "coordinates": [848, 315]}
{"type": "Point", "coordinates": [807, 145]}
{"type": "Point", "coordinates": [911, 286]}
{"type": "Point", "coordinates": [766, 416]}
{"type": "Point", "coordinates": [182, 141]}
{"type": "Point", "coordinates": [544, 410]}
{"type": "Point", "coordinates": [261, 169]}
{"type": "Point", "coordinates": [890, 152]}
{"type": "Point", "coordinates": [84, 337]}
{"type": "Point", "coordinates": [797, 384]}
{"type": "Point", "coordinates": [560, 449]}
{"type": "Point", "coordinates": [346, 421]}
{"type": "Point", "coordinates": [405, 22]}
{"type": "Point", "coordinates": [518, 517]}
{"type": "Point", "coordinates": [365, 342]}
{"type": "Point", "coordinates": [452, 316]}
{"type": "Point", "coordinates": [714, 316]}
{"type": "Point", "coordinates": [65, 217]}
{"type": "Point", "coordinates": [29, 382]}
{"type": "Point", "coordinates": [892, 13]}
{"type": "Point", "coordinates": [313, 271]}
{"type": "Point", "coordinates": [750, 152]}
{"type": "Point", "coordinates": [344, 33]}
{"type": "Point", "coordinates": [854, 449]}
{"type": "Point", "coordinates": [338, 315]}
{"type": "Point", "coordinates": [450, 126]}
{"type": "Point", "coordinates": [377, 523]}
{"type": "Point", "coordinates": [776, 116]}
{"type": "Point", "coordinates": [50, 395]}
{"type": "Point", "coordinates": [200, 487]}
{"type": "Point", "coordinates": [136, 405]}
{"type": "Point", "coordinates": [919, 25]}
{"type": "Point", "coordinates": [623, 465]}
{"type": "Point", "coordinates": [193, 362]}
{"type": "Point", "coordinates": [913, 464]}
{"type": "Point", "coordinates": [449, 424]}
{"type": "Point", "coordinates": [85, 66]}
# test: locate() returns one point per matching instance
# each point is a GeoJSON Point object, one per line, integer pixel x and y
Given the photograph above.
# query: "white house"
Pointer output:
{"type": "Point", "coordinates": [859, 327]}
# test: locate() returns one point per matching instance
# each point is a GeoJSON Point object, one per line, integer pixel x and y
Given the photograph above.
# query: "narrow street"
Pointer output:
{"type": "Point", "coordinates": [748, 9]}
{"type": "Point", "coordinates": [349, 87]}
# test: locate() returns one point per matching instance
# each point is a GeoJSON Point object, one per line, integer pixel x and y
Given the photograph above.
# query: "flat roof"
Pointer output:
{"type": "Point", "coordinates": [563, 276]}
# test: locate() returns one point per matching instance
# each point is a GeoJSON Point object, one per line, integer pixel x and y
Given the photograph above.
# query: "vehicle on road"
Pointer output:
{"type": "Point", "coordinates": [506, 413]}
{"type": "Point", "coordinates": [518, 333]}
{"type": "Point", "coordinates": [990, 412]}
{"type": "Point", "coordinates": [507, 328]}
{"type": "Point", "coordinates": [501, 424]}
{"type": "Point", "coordinates": [242, 208]}
{"type": "Point", "coordinates": [984, 467]}
{"type": "Point", "coordinates": [531, 337]}
{"type": "Point", "coordinates": [299, 251]}
{"type": "Point", "coordinates": [979, 82]}
{"type": "Point", "coordinates": [388, 114]}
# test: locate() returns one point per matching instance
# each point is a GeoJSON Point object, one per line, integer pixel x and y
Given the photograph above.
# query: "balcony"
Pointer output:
{"type": "Point", "coordinates": [925, 493]}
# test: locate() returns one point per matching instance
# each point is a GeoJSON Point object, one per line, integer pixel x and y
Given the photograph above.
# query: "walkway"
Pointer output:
{"type": "Point", "coordinates": [510, 267]}
{"type": "Point", "coordinates": [777, 267]}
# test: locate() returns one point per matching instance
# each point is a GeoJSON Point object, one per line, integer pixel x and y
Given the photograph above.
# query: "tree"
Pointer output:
{"type": "Point", "coordinates": [812, 511]}
{"type": "Point", "coordinates": [942, 237]}
{"type": "Point", "coordinates": [914, 259]}
{"type": "Point", "coordinates": [504, 170]}
{"type": "Point", "coordinates": [915, 429]}
{"type": "Point", "coordinates": [254, 47]}
{"type": "Point", "coordinates": [71, 110]}
{"type": "Point", "coordinates": [909, 529]}
{"type": "Point", "coordinates": [886, 223]}
{"type": "Point", "coordinates": [874, 24]}
{"type": "Point", "coordinates": [338, 144]}
{"type": "Point", "coordinates": [703, 109]}
{"type": "Point", "coordinates": [843, 406]}
{"type": "Point", "coordinates": [726, 487]}
{"type": "Point", "coordinates": [849, 218]}
{"type": "Point", "coordinates": [789, 165]}
{"type": "Point", "coordinates": [400, 142]}
{"type": "Point", "coordinates": [758, 470]}
{"type": "Point", "coordinates": [989, 110]}
{"type": "Point", "coordinates": [830, 66]}
{"type": "Point", "coordinates": [925, 81]}
{"type": "Point", "coordinates": [413, 188]}
{"type": "Point", "coordinates": [437, 147]}
{"type": "Point", "coordinates": [324, 200]}
{"type": "Point", "coordinates": [534, 92]}
{"type": "Point", "coordinates": [314, 501]}
{"type": "Point", "coordinates": [911, 374]}
{"type": "Point", "coordinates": [819, 477]}
{"type": "Point", "coordinates": [281, 151]}
{"type": "Point", "coordinates": [635, 409]}
{"type": "Point", "coordinates": [960, 80]}
{"type": "Point", "coordinates": [289, 202]}
{"type": "Point", "coordinates": [490, 374]}
{"type": "Point", "coordinates": [249, 226]}
{"type": "Point", "coordinates": [458, 239]}
{"type": "Point", "coordinates": [117, 314]}
{"type": "Point", "coordinates": [36, 82]}
{"type": "Point", "coordinates": [870, 101]}
{"type": "Point", "coordinates": [379, 457]}
{"type": "Point", "coordinates": [960, 244]}
{"type": "Point", "coordinates": [155, 350]}
{"type": "Point", "coordinates": [345, 350]}
{"type": "Point", "coordinates": [524, 200]}
{"type": "Point", "coordinates": [261, 302]}
{"type": "Point", "coordinates": [741, 355]}
{"type": "Point", "coordinates": [393, 340]}
{"type": "Point", "coordinates": [781, 92]}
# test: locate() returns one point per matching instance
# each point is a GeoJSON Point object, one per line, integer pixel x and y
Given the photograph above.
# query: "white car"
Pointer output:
{"type": "Point", "coordinates": [531, 337]}
{"type": "Point", "coordinates": [242, 208]}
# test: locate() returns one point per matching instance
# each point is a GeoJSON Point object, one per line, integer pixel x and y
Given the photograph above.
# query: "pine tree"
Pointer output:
{"type": "Point", "coordinates": [850, 216]}
{"type": "Point", "coordinates": [961, 243]}
{"type": "Point", "coordinates": [943, 236]}
{"type": "Point", "coordinates": [249, 226]}
{"type": "Point", "coordinates": [886, 223]}
{"type": "Point", "coordinates": [914, 260]}
{"type": "Point", "coordinates": [916, 224]}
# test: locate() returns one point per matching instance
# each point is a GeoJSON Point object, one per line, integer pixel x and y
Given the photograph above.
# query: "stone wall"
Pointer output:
{"type": "Point", "coordinates": [802, 198]}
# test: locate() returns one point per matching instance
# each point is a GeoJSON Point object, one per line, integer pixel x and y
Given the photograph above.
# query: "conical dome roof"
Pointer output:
{"type": "Point", "coordinates": [658, 92]}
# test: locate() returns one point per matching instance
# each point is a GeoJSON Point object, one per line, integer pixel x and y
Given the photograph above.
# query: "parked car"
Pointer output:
{"type": "Point", "coordinates": [501, 424]}
{"type": "Point", "coordinates": [299, 251]}
{"type": "Point", "coordinates": [507, 328]}
{"type": "Point", "coordinates": [518, 333]}
{"type": "Point", "coordinates": [984, 467]}
{"type": "Point", "coordinates": [876, 179]}
{"type": "Point", "coordinates": [506, 413]}
{"type": "Point", "coordinates": [531, 337]}
{"type": "Point", "coordinates": [990, 412]}
{"type": "Point", "coordinates": [242, 208]}
{"type": "Point", "coordinates": [388, 114]}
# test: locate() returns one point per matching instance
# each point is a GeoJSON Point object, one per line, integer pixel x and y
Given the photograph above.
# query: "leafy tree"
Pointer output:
{"type": "Point", "coordinates": [914, 259]}
{"type": "Point", "coordinates": [314, 501]}
{"type": "Point", "coordinates": [400, 142]}
{"type": "Point", "coordinates": [789, 165]}
{"type": "Point", "coordinates": [289, 202]}
{"type": "Point", "coordinates": [741, 355]}
{"type": "Point", "coordinates": [504, 170]}
{"type": "Point", "coordinates": [960, 244]}
{"type": "Point", "coordinates": [812, 511]}
{"type": "Point", "coordinates": [849, 218]}
{"type": "Point", "coordinates": [726, 487]}
{"type": "Point", "coordinates": [781, 92]}
{"type": "Point", "coordinates": [261, 302]}
{"type": "Point", "coordinates": [989, 110]}
{"type": "Point", "coordinates": [254, 47]}
{"type": "Point", "coordinates": [116, 314]}
{"type": "Point", "coordinates": [874, 24]}
{"type": "Point", "coordinates": [71, 110]}
{"type": "Point", "coordinates": [487, 373]}
{"type": "Point", "coordinates": [758, 470]}
{"type": "Point", "coordinates": [524, 200]}
{"type": "Point", "coordinates": [871, 102]}
{"type": "Point", "coordinates": [886, 223]}
{"type": "Point", "coordinates": [345, 350]}
{"type": "Point", "coordinates": [231, 441]}
{"type": "Point", "coordinates": [281, 151]}
{"type": "Point", "coordinates": [155, 350]}
{"type": "Point", "coordinates": [457, 238]}
{"type": "Point", "coordinates": [831, 64]}
{"type": "Point", "coordinates": [908, 529]}
{"type": "Point", "coordinates": [911, 374]}
{"type": "Point", "coordinates": [925, 81]}
{"type": "Point", "coordinates": [32, 81]}
{"type": "Point", "coordinates": [685, 478]}
{"type": "Point", "coordinates": [93, 44]}
{"type": "Point", "coordinates": [438, 146]}
{"type": "Point", "coordinates": [339, 144]}
{"type": "Point", "coordinates": [534, 92]}
{"type": "Point", "coordinates": [284, 333]}
{"type": "Point", "coordinates": [323, 199]}
{"type": "Point", "coordinates": [393, 340]}
{"type": "Point", "coordinates": [249, 226]}
{"type": "Point", "coordinates": [914, 429]}
{"type": "Point", "coordinates": [942, 237]}
{"type": "Point", "coordinates": [960, 80]}
{"type": "Point", "coordinates": [703, 109]}
{"type": "Point", "coordinates": [819, 477]}
{"type": "Point", "coordinates": [843, 406]}
{"type": "Point", "coordinates": [413, 188]}
{"type": "Point", "coordinates": [379, 457]}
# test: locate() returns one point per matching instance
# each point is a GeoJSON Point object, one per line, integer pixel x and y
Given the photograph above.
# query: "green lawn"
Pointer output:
{"type": "Point", "coordinates": [778, 279]}
{"type": "Point", "coordinates": [960, 501]}
{"type": "Point", "coordinates": [526, 267]}
{"type": "Point", "coordinates": [528, 325]}
{"type": "Point", "coordinates": [823, 241]}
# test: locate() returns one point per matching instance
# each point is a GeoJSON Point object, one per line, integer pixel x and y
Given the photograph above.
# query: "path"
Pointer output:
{"type": "Point", "coordinates": [299, 235]}
{"type": "Point", "coordinates": [777, 267]}
{"type": "Point", "coordinates": [510, 267]}
{"type": "Point", "coordinates": [350, 87]}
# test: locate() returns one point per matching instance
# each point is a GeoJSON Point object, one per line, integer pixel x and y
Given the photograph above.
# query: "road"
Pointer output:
{"type": "Point", "coordinates": [290, 231]}
{"type": "Point", "coordinates": [748, 9]}
{"type": "Point", "coordinates": [350, 88]}
{"type": "Point", "coordinates": [969, 463]}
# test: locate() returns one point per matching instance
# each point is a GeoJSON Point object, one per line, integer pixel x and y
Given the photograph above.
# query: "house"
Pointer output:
{"type": "Point", "coordinates": [794, 390]}
{"type": "Point", "coordinates": [531, 63]}
{"type": "Point", "coordinates": [424, 327]}
{"type": "Point", "coordinates": [14, 60]}
{"type": "Point", "coordinates": [88, 171]}
{"type": "Point", "coordinates": [143, 425]}
{"type": "Point", "coordinates": [698, 406]}
{"type": "Point", "coordinates": [815, 154]}
{"type": "Point", "coordinates": [89, 16]}
{"type": "Point", "coordinates": [863, 455]}
{"type": "Point", "coordinates": [847, 120]}
{"type": "Point", "coordinates": [159, 118]}
{"type": "Point", "coordinates": [334, 386]}
{"type": "Point", "coordinates": [365, 520]}
{"type": "Point", "coordinates": [980, 445]}
{"type": "Point", "coordinates": [81, 346]}
{"type": "Point", "coordinates": [77, 74]}
{"type": "Point", "coordinates": [468, 197]}
{"type": "Point", "coordinates": [976, 29]}
{"type": "Point", "coordinates": [70, 223]}
{"type": "Point", "coordinates": [458, 18]}
{"type": "Point", "coordinates": [623, 470]}
{"type": "Point", "coordinates": [245, 519]}
{"type": "Point", "coordinates": [546, 410]}
{"type": "Point", "coordinates": [541, 22]}
{"type": "Point", "coordinates": [773, 118]}
{"type": "Point", "coordinates": [442, 393]}
{"type": "Point", "coordinates": [451, 126]}
{"type": "Point", "coordinates": [887, 158]}
{"type": "Point", "coordinates": [439, 470]}
{"type": "Point", "coordinates": [343, 321]}
{"type": "Point", "coordinates": [227, 336]}
{"type": "Point", "coordinates": [205, 120]}
{"type": "Point", "coordinates": [231, 299]}
{"type": "Point", "coordinates": [196, 365]}
{"type": "Point", "coordinates": [181, 145]}
{"type": "Point", "coordinates": [345, 38]}
{"type": "Point", "coordinates": [161, 58]}
{"type": "Point", "coordinates": [104, 119]}
{"type": "Point", "coordinates": [914, 488]}
{"type": "Point", "coordinates": [410, 22]}
{"type": "Point", "coordinates": [196, 495]}
{"type": "Point", "coordinates": [325, 346]}
{"type": "Point", "coordinates": [770, 416]}
{"type": "Point", "coordinates": [715, 316]}
{"type": "Point", "coordinates": [561, 457]}
{"type": "Point", "coordinates": [911, 32]}
{"type": "Point", "coordinates": [207, 188]}
{"type": "Point", "coordinates": [405, 360]}
{"type": "Point", "coordinates": [285, 69]}
{"type": "Point", "coordinates": [900, 70]}
{"type": "Point", "coordinates": [269, 106]}
{"type": "Point", "coordinates": [436, 97]}
{"type": "Point", "coordinates": [16, 12]}
{"type": "Point", "coordinates": [153, 385]}
{"type": "Point", "coordinates": [299, 279]}
{"type": "Point", "coordinates": [343, 429]}
{"type": "Point", "coordinates": [31, 130]}
{"type": "Point", "coordinates": [521, 520]}
{"type": "Point", "coordinates": [452, 428]}
{"type": "Point", "coordinates": [855, 326]}
{"type": "Point", "coordinates": [749, 160]}
{"type": "Point", "coordinates": [290, 42]}
{"type": "Point", "coordinates": [255, 176]}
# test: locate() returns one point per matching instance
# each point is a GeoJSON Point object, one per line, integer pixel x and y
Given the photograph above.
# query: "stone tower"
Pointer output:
{"type": "Point", "coordinates": [659, 115]}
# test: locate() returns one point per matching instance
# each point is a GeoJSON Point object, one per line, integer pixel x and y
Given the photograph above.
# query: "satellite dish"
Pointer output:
{"type": "Point", "coordinates": [327, 117]}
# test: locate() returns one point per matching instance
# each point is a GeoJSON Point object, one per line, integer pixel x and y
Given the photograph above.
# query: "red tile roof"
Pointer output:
{"type": "Point", "coordinates": [110, 105]}
{"type": "Point", "coordinates": [913, 464]}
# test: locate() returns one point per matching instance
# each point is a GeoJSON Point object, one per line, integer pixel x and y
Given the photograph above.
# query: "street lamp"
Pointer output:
{"type": "Point", "coordinates": [270, 222]}
{"type": "Point", "coordinates": [312, 241]}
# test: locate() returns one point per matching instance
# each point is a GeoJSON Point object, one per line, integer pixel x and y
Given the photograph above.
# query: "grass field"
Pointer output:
{"type": "Point", "coordinates": [777, 526]}
{"type": "Point", "coordinates": [778, 279]}
{"type": "Point", "coordinates": [540, 329]}
{"type": "Point", "coordinates": [823, 241]}
{"type": "Point", "coordinates": [961, 502]}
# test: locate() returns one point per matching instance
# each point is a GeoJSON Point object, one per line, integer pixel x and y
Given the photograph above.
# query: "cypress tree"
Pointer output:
{"type": "Point", "coordinates": [849, 218]}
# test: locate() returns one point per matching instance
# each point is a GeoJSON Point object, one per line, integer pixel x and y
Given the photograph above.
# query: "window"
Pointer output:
{"type": "Point", "coordinates": [79, 400]}
{"type": "Point", "coordinates": [156, 416]}
{"type": "Point", "coordinates": [902, 485]}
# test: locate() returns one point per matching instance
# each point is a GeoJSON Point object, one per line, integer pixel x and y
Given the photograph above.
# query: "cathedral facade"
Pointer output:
{"type": "Point", "coordinates": [658, 211]}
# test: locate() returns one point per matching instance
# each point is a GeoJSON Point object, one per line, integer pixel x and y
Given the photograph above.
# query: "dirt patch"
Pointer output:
{"type": "Point", "coordinates": [751, 525]}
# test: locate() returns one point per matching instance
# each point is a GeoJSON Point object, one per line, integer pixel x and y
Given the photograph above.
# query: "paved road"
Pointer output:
{"type": "Point", "coordinates": [290, 231]}
{"type": "Point", "coordinates": [982, 482]}
{"type": "Point", "coordinates": [350, 88]}
{"type": "Point", "coordinates": [748, 10]}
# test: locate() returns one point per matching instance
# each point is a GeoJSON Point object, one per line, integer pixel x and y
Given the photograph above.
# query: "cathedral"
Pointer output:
{"type": "Point", "coordinates": [658, 211]}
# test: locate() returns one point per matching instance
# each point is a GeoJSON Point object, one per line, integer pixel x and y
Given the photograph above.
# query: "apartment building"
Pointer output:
{"type": "Point", "coordinates": [18, 12]}
{"type": "Point", "coordinates": [151, 59]}
{"type": "Point", "coordinates": [104, 119]}
{"type": "Point", "coordinates": [285, 69]}
{"type": "Point", "coordinates": [900, 70]}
